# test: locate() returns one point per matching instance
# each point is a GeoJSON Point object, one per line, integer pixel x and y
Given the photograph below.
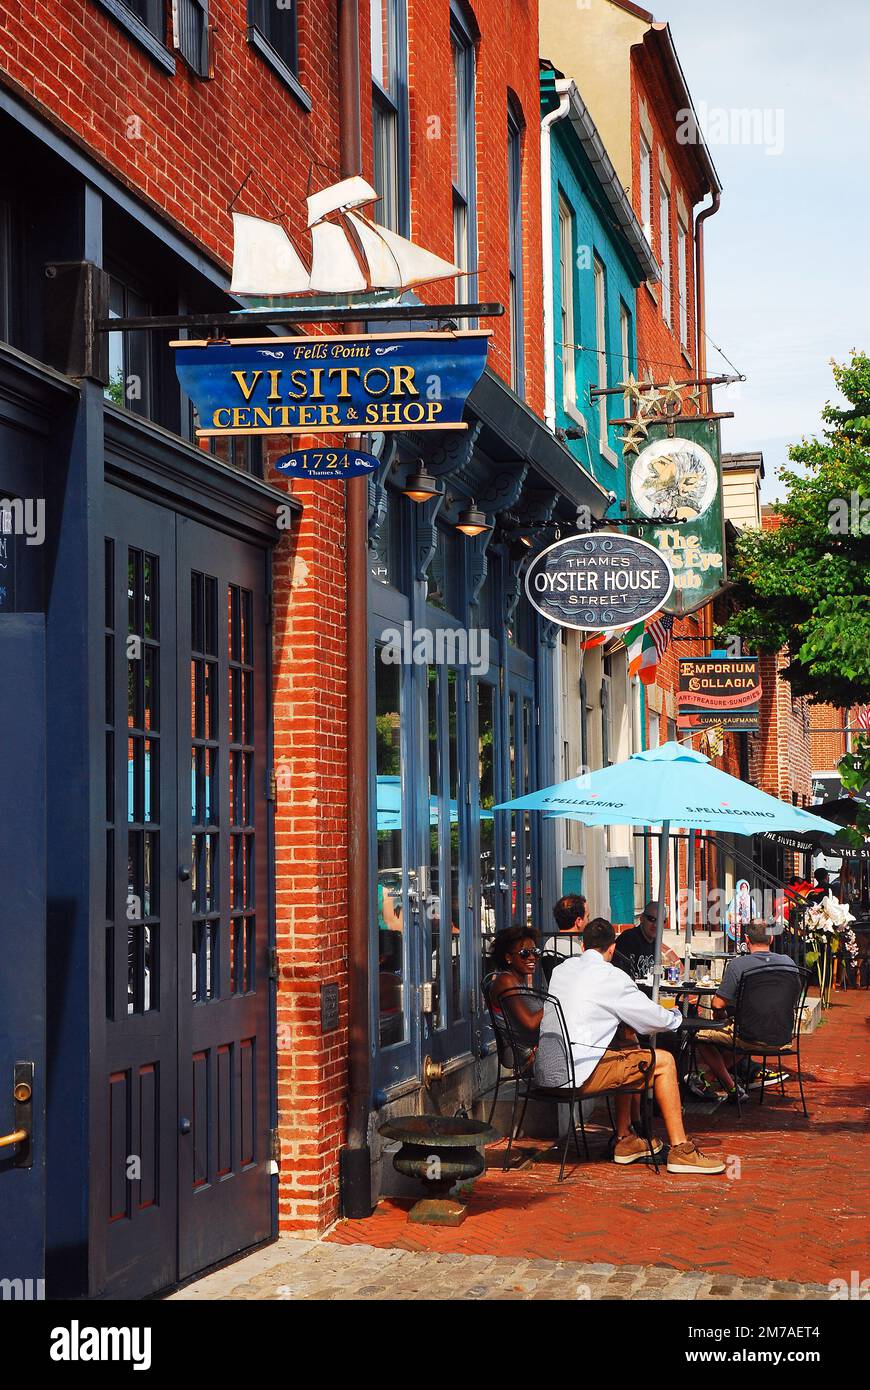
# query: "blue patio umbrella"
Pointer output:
{"type": "Point", "coordinates": [670, 785]}
{"type": "Point", "coordinates": [389, 808]}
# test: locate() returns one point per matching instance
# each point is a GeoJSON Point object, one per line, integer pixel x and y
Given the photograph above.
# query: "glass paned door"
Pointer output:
{"type": "Point", "coordinates": [449, 918]}
{"type": "Point", "coordinates": [224, 1013]}
{"type": "Point", "coordinates": [396, 909]}
{"type": "Point", "coordinates": [183, 1047]}
{"type": "Point", "coordinates": [522, 778]}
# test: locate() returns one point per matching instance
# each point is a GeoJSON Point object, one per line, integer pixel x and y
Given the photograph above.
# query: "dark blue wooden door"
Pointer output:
{"type": "Point", "coordinates": [185, 1105]}
{"type": "Point", "coordinates": [22, 949]}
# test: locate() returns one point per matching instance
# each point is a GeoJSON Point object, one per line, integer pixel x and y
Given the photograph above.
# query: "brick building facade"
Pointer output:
{"type": "Point", "coordinates": [145, 147]}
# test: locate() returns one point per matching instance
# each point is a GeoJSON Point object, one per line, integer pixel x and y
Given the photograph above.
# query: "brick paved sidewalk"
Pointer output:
{"type": "Point", "coordinates": [797, 1211]}
{"type": "Point", "coordinates": [304, 1271]}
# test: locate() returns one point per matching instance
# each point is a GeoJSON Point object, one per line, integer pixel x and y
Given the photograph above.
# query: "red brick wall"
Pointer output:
{"type": "Point", "coordinates": [779, 754]}
{"type": "Point", "coordinates": [827, 748]}
{"type": "Point", "coordinates": [195, 139]}
{"type": "Point", "coordinates": [659, 345]}
{"type": "Point", "coordinates": [184, 145]}
{"type": "Point", "coordinates": [309, 654]}
{"type": "Point", "coordinates": [507, 62]}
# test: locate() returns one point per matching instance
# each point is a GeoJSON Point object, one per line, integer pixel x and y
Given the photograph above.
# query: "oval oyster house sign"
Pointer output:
{"type": "Point", "coordinates": [597, 582]}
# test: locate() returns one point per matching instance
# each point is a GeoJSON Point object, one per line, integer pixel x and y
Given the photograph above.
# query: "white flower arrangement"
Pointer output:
{"type": "Point", "coordinates": [828, 923]}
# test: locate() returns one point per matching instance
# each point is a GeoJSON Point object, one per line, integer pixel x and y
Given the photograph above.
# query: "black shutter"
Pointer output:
{"type": "Point", "coordinates": [190, 33]}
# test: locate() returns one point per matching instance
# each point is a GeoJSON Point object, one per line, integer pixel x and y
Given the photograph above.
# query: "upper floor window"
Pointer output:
{"type": "Point", "coordinates": [515, 248]}
{"type": "Point", "coordinates": [646, 187]}
{"type": "Point", "coordinates": [625, 350]}
{"type": "Point", "coordinates": [274, 31]}
{"type": "Point", "coordinates": [601, 348]}
{"type": "Point", "coordinates": [190, 30]}
{"type": "Point", "coordinates": [665, 248]}
{"type": "Point", "coordinates": [389, 57]}
{"type": "Point", "coordinates": [6, 278]}
{"type": "Point", "coordinates": [131, 367]}
{"type": "Point", "coordinates": [464, 172]}
{"type": "Point", "coordinates": [566, 295]}
{"type": "Point", "coordinates": [145, 22]}
{"type": "Point", "coordinates": [606, 712]}
{"type": "Point", "coordinates": [151, 13]}
{"type": "Point", "coordinates": [683, 280]}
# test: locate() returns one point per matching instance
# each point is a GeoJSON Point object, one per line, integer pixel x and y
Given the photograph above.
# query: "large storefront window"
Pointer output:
{"type": "Point", "coordinates": [455, 842]}
{"type": "Point", "coordinates": [392, 949]}
{"type": "Point", "coordinates": [444, 574]}
{"type": "Point", "coordinates": [433, 896]}
{"type": "Point", "coordinates": [489, 875]}
{"type": "Point", "coordinates": [449, 743]}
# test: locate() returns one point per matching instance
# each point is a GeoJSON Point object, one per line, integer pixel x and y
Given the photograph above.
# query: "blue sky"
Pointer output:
{"type": "Point", "coordinates": [788, 254]}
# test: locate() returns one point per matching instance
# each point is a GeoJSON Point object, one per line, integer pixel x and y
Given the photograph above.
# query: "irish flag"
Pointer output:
{"type": "Point", "coordinates": [643, 657]}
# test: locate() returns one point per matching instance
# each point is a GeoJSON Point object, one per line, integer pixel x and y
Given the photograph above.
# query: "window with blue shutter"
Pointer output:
{"type": "Point", "coordinates": [190, 33]}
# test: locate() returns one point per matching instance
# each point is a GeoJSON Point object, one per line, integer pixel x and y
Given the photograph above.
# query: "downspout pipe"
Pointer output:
{"type": "Point", "coordinates": [700, 306]}
{"type": "Point", "coordinates": [355, 1158]}
{"type": "Point", "coordinates": [562, 88]}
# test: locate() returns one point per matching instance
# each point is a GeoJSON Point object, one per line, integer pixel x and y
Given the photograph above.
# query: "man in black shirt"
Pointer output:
{"type": "Point", "coordinates": [636, 948]}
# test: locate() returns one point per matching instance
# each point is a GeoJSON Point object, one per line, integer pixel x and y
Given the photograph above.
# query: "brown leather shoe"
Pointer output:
{"type": "Point", "coordinates": [687, 1158]}
{"type": "Point", "coordinates": [631, 1148]}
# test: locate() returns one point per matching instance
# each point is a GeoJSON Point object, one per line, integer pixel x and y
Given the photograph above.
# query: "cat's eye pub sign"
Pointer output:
{"type": "Point", "coordinates": [678, 483]}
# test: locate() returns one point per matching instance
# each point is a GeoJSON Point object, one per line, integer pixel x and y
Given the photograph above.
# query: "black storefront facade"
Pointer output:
{"type": "Point", "coordinates": [136, 732]}
{"type": "Point", "coordinates": [461, 694]}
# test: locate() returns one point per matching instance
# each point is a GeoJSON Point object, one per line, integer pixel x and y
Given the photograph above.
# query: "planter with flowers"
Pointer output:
{"type": "Point", "coordinates": [827, 930]}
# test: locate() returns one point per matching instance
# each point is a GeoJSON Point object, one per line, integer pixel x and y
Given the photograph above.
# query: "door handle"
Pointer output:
{"type": "Point", "coordinates": [18, 1136]}
{"type": "Point", "coordinates": [184, 873]}
{"type": "Point", "coordinates": [20, 1139]}
{"type": "Point", "coordinates": [184, 1125]}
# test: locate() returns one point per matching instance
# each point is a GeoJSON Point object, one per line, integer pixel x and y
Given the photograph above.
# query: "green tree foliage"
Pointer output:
{"type": "Point", "coordinates": [806, 586]}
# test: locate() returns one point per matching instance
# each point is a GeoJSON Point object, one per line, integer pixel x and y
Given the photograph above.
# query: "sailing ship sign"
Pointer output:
{"type": "Point", "coordinates": [337, 383]}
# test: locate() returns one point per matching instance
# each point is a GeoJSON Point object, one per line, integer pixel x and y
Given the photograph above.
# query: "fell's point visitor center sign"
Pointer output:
{"type": "Point", "coordinates": [336, 384]}
{"type": "Point", "coordinates": [596, 582]}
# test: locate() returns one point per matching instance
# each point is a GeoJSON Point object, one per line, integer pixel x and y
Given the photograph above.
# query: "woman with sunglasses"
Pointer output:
{"type": "Point", "coordinates": [515, 954]}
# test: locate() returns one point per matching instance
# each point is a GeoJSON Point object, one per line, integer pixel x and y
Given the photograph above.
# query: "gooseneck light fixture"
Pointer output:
{"type": "Point", "coordinates": [421, 486]}
{"type": "Point", "coordinates": [471, 521]}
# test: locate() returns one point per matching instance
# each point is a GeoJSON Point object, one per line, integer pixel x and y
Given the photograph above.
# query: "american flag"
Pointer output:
{"type": "Point", "coordinates": [862, 716]}
{"type": "Point", "coordinates": [659, 629]}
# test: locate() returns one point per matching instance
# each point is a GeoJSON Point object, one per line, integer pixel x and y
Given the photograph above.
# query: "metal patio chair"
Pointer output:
{"type": "Point", "coordinates": [555, 1055]}
{"type": "Point", "coordinates": [514, 1057]}
{"type": "Point", "coordinates": [767, 1020]}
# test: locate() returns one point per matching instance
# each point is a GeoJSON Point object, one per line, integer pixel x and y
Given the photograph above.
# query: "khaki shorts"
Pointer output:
{"type": "Point", "coordinates": [626, 1066]}
{"type": "Point", "coordinates": [724, 1037]}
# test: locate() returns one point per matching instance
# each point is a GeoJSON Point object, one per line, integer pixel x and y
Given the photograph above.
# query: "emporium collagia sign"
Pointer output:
{"type": "Point", "coordinates": [337, 384]}
{"type": "Point", "coordinates": [596, 582]}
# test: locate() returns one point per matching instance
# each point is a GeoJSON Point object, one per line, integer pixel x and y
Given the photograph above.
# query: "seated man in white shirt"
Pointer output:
{"type": "Point", "coordinates": [598, 999]}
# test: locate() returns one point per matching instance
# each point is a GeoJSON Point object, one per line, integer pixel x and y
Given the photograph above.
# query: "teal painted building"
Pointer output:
{"type": "Point", "coordinates": [596, 257]}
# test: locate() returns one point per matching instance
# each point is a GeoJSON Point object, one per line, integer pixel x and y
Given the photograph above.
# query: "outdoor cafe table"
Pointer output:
{"type": "Point", "coordinates": [680, 987]}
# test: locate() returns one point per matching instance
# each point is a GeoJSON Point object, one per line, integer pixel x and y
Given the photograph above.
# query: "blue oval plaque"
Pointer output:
{"type": "Point", "coordinates": [602, 581]}
{"type": "Point", "coordinates": [325, 463]}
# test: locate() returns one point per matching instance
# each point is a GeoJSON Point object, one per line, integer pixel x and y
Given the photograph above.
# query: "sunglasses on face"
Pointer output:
{"type": "Point", "coordinates": [529, 953]}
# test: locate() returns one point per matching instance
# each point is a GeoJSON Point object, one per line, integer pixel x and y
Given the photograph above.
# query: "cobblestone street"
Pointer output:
{"type": "Point", "coordinates": [302, 1270]}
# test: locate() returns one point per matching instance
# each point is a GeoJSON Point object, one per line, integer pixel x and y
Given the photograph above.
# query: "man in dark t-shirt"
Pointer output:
{"type": "Point", "coordinates": [758, 957]}
{"type": "Point", "coordinates": [636, 948]}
